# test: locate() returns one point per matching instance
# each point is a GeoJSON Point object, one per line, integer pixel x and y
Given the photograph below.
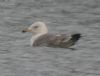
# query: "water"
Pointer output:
{"type": "Point", "coordinates": [18, 58]}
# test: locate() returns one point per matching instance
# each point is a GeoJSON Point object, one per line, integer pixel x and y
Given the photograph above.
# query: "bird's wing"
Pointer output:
{"type": "Point", "coordinates": [51, 40]}
{"type": "Point", "coordinates": [59, 40]}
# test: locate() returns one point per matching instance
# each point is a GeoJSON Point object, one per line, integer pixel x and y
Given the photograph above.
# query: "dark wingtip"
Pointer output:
{"type": "Point", "coordinates": [23, 31]}
{"type": "Point", "coordinates": [76, 36]}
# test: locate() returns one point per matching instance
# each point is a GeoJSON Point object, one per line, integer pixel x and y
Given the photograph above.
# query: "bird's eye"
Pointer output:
{"type": "Point", "coordinates": [35, 26]}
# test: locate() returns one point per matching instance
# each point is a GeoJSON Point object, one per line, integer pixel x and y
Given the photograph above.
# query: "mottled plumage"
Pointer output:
{"type": "Point", "coordinates": [41, 37]}
{"type": "Point", "coordinates": [52, 40]}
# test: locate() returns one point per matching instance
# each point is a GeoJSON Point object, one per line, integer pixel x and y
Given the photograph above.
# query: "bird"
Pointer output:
{"type": "Point", "coordinates": [41, 37]}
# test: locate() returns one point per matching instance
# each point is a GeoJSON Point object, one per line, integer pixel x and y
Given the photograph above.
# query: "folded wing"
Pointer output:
{"type": "Point", "coordinates": [61, 40]}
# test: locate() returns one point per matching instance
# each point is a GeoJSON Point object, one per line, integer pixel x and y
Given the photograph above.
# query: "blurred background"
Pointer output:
{"type": "Point", "coordinates": [18, 58]}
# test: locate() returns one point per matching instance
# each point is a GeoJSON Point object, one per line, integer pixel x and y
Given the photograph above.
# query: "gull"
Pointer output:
{"type": "Point", "coordinates": [41, 37]}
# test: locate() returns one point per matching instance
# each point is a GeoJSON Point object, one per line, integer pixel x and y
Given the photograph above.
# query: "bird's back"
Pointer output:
{"type": "Point", "coordinates": [58, 40]}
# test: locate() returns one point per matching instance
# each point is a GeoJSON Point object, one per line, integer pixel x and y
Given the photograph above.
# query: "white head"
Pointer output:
{"type": "Point", "coordinates": [37, 28]}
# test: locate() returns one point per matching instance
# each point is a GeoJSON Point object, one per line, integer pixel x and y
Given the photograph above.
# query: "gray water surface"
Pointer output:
{"type": "Point", "coordinates": [18, 58]}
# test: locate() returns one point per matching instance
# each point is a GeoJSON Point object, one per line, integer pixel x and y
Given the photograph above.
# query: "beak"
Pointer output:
{"type": "Point", "coordinates": [26, 30]}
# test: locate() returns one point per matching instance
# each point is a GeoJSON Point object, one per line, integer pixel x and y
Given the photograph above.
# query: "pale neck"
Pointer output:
{"type": "Point", "coordinates": [34, 37]}
{"type": "Point", "coordinates": [43, 31]}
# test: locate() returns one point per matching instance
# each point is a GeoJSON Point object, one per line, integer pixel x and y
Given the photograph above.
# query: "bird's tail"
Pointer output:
{"type": "Point", "coordinates": [75, 37]}
{"type": "Point", "coordinates": [73, 40]}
